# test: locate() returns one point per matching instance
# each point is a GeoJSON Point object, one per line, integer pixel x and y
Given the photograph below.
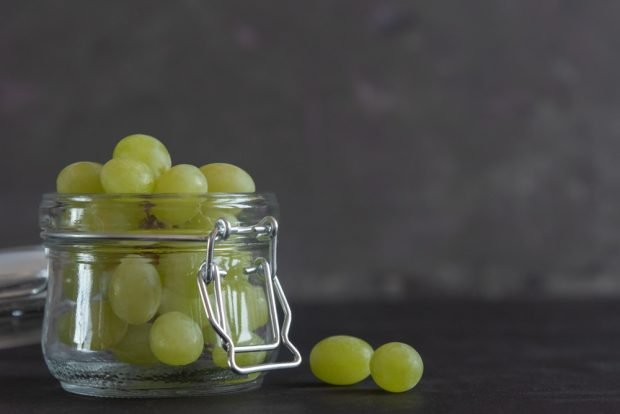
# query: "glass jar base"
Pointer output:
{"type": "Point", "coordinates": [148, 392]}
{"type": "Point", "coordinates": [98, 376]}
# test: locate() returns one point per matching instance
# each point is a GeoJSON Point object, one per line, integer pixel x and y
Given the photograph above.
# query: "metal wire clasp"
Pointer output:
{"type": "Point", "coordinates": [210, 273]}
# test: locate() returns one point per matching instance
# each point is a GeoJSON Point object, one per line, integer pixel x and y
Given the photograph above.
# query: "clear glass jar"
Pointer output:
{"type": "Point", "coordinates": [117, 263]}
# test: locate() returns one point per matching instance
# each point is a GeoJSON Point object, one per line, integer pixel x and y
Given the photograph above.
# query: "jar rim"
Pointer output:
{"type": "Point", "coordinates": [215, 196]}
{"type": "Point", "coordinates": [121, 213]}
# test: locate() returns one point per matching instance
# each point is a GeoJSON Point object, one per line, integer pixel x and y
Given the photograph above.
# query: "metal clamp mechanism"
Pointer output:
{"type": "Point", "coordinates": [210, 273]}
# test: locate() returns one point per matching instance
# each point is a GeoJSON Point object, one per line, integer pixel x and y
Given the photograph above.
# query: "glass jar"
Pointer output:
{"type": "Point", "coordinates": [162, 295]}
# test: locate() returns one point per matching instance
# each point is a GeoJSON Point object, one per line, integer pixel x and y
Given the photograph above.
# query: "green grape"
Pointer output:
{"type": "Point", "coordinates": [251, 300]}
{"type": "Point", "coordinates": [179, 272]}
{"type": "Point", "coordinates": [227, 178]}
{"type": "Point", "coordinates": [258, 307]}
{"type": "Point", "coordinates": [135, 348]}
{"type": "Point", "coordinates": [227, 259]}
{"type": "Point", "coordinates": [227, 207]}
{"type": "Point", "coordinates": [176, 339]}
{"type": "Point", "coordinates": [106, 329]}
{"type": "Point", "coordinates": [107, 216]}
{"type": "Point", "coordinates": [212, 338]}
{"type": "Point", "coordinates": [80, 178]}
{"type": "Point", "coordinates": [91, 326]}
{"type": "Point", "coordinates": [396, 367]}
{"type": "Point", "coordinates": [135, 290]}
{"type": "Point", "coordinates": [104, 215]}
{"type": "Point", "coordinates": [243, 359]}
{"type": "Point", "coordinates": [146, 149]}
{"type": "Point", "coordinates": [180, 179]}
{"type": "Point", "coordinates": [171, 301]}
{"type": "Point", "coordinates": [208, 334]}
{"type": "Point", "coordinates": [240, 379]}
{"type": "Point", "coordinates": [245, 308]}
{"type": "Point", "coordinates": [171, 264]}
{"type": "Point", "coordinates": [126, 176]}
{"type": "Point", "coordinates": [206, 222]}
{"type": "Point", "coordinates": [341, 360]}
{"type": "Point", "coordinates": [245, 304]}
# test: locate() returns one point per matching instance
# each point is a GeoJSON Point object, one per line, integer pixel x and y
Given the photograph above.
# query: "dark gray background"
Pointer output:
{"type": "Point", "coordinates": [417, 148]}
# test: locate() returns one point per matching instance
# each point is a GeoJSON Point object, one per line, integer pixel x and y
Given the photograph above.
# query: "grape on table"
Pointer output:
{"type": "Point", "coordinates": [341, 360]}
{"type": "Point", "coordinates": [396, 367]}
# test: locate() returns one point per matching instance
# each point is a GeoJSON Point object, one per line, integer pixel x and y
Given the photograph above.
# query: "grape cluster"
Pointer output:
{"type": "Point", "coordinates": [145, 308]}
{"type": "Point", "coordinates": [346, 360]}
{"type": "Point", "coordinates": [141, 164]}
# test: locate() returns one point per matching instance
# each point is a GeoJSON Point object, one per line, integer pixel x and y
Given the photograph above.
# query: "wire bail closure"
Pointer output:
{"type": "Point", "coordinates": [209, 272]}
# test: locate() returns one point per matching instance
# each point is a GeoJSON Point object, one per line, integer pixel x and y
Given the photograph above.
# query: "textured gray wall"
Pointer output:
{"type": "Point", "coordinates": [417, 148]}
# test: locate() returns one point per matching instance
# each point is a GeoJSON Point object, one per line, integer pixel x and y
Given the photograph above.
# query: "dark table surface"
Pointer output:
{"type": "Point", "coordinates": [480, 357]}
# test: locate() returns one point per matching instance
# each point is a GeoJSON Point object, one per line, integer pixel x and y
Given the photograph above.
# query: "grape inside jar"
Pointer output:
{"type": "Point", "coordinates": [124, 317]}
